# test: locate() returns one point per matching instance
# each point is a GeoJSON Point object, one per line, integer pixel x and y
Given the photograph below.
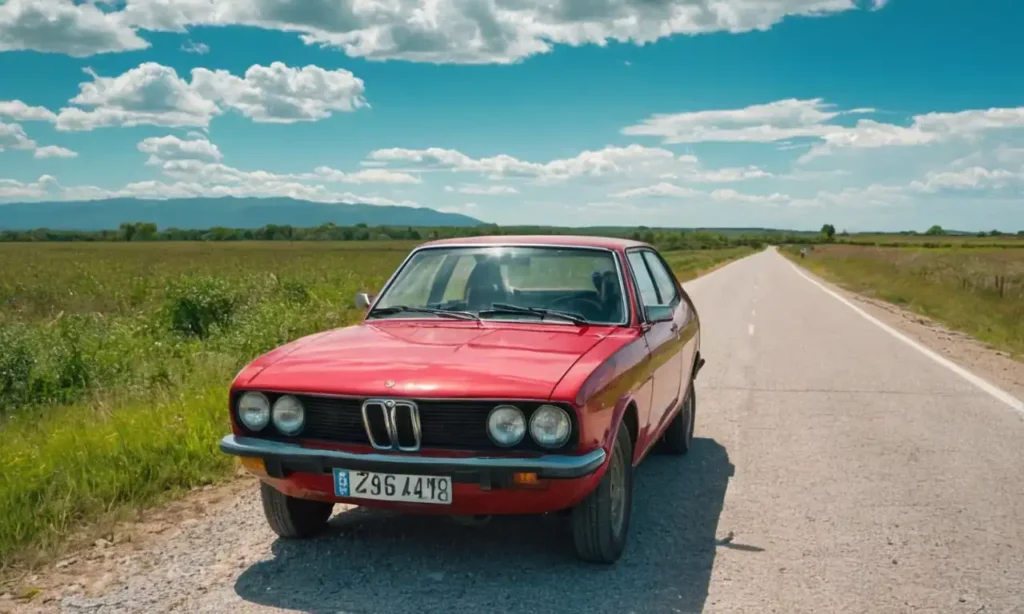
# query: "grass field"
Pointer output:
{"type": "Point", "coordinates": [115, 357]}
{"type": "Point", "coordinates": [979, 291]}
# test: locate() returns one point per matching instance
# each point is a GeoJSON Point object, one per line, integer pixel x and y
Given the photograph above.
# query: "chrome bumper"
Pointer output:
{"type": "Point", "coordinates": [287, 456]}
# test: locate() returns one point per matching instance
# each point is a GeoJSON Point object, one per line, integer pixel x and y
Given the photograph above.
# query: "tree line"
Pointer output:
{"type": "Point", "coordinates": [664, 238]}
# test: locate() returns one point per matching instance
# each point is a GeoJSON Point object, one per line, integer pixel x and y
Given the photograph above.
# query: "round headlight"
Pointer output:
{"type": "Point", "coordinates": [289, 416]}
{"type": "Point", "coordinates": [550, 426]}
{"type": "Point", "coordinates": [506, 425]}
{"type": "Point", "coordinates": [254, 410]}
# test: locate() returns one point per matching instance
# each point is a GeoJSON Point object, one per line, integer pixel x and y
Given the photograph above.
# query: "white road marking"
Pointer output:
{"type": "Point", "coordinates": [991, 389]}
{"type": "Point", "coordinates": [750, 329]}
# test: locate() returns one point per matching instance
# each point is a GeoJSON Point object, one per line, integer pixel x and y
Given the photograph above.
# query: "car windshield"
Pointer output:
{"type": "Point", "coordinates": [561, 285]}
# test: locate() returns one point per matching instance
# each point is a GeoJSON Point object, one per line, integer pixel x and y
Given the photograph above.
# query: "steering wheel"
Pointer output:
{"type": "Point", "coordinates": [593, 306]}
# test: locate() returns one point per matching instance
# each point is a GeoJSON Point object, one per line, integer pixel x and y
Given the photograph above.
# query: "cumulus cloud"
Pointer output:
{"type": "Point", "coordinates": [60, 26]}
{"type": "Point", "coordinates": [19, 111]}
{"type": "Point", "coordinates": [812, 119]}
{"type": "Point", "coordinates": [170, 147]}
{"type": "Point", "coordinates": [147, 94]}
{"type": "Point", "coordinates": [11, 189]}
{"type": "Point", "coordinates": [53, 151]}
{"type": "Point", "coordinates": [973, 178]}
{"type": "Point", "coordinates": [282, 94]}
{"type": "Point", "coordinates": [12, 136]}
{"type": "Point", "coordinates": [154, 94]}
{"type": "Point", "coordinates": [488, 31]}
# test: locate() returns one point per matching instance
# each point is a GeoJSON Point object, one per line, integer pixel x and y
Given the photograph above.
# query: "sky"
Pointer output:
{"type": "Point", "coordinates": [865, 114]}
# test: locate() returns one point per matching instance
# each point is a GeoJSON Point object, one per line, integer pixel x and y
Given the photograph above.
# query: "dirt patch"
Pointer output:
{"type": "Point", "coordinates": [97, 557]}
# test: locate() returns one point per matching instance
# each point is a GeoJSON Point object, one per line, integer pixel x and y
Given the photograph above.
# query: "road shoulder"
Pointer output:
{"type": "Point", "coordinates": [980, 358]}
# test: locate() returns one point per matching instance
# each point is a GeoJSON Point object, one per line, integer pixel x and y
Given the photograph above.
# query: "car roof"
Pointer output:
{"type": "Point", "coordinates": [541, 240]}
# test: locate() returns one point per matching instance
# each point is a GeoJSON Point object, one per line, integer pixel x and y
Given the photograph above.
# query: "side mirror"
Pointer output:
{"type": "Point", "coordinates": [658, 313]}
{"type": "Point", "coordinates": [363, 301]}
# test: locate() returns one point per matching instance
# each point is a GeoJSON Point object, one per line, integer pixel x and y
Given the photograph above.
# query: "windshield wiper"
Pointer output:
{"type": "Point", "coordinates": [456, 315]}
{"type": "Point", "coordinates": [497, 308]}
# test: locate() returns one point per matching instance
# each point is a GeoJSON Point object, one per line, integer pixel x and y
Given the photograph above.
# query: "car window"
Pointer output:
{"type": "Point", "coordinates": [581, 281]}
{"type": "Point", "coordinates": [662, 279]}
{"type": "Point", "coordinates": [644, 282]}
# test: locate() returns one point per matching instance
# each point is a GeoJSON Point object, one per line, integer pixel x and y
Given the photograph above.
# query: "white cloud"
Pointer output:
{"type": "Point", "coordinates": [282, 94]}
{"type": "Point", "coordinates": [19, 111]}
{"type": "Point", "coordinates": [191, 46]}
{"type": "Point", "coordinates": [11, 189]}
{"type": "Point", "coordinates": [482, 190]}
{"type": "Point", "coordinates": [658, 190]}
{"type": "Point", "coordinates": [493, 31]}
{"type": "Point", "coordinates": [170, 147]}
{"type": "Point", "coordinates": [60, 26]}
{"type": "Point", "coordinates": [12, 136]}
{"type": "Point", "coordinates": [147, 94]}
{"type": "Point", "coordinates": [372, 175]}
{"type": "Point", "coordinates": [788, 119]}
{"type": "Point", "coordinates": [48, 188]}
{"type": "Point", "coordinates": [607, 161]}
{"type": "Point", "coordinates": [729, 195]}
{"type": "Point", "coordinates": [53, 151]}
{"type": "Point", "coordinates": [154, 94]}
{"type": "Point", "coordinates": [972, 178]}
{"type": "Point", "coordinates": [762, 123]}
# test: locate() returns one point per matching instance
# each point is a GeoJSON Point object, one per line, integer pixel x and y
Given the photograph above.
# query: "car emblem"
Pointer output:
{"type": "Point", "coordinates": [389, 384]}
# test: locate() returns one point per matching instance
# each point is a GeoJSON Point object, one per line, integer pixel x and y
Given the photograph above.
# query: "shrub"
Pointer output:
{"type": "Point", "coordinates": [197, 305]}
{"type": "Point", "coordinates": [17, 361]}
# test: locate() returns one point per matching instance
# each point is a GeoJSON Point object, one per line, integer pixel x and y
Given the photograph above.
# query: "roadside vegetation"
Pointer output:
{"type": "Point", "coordinates": [976, 290]}
{"type": "Point", "coordinates": [115, 357]}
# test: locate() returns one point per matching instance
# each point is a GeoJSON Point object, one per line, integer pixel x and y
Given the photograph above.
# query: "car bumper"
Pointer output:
{"type": "Point", "coordinates": [482, 485]}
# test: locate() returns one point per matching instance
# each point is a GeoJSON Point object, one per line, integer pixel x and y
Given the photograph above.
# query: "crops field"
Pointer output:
{"type": "Point", "coordinates": [115, 357]}
{"type": "Point", "coordinates": [977, 290]}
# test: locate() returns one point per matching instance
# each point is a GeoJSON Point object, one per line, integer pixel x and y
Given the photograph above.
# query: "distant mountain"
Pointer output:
{"type": "Point", "coordinates": [231, 212]}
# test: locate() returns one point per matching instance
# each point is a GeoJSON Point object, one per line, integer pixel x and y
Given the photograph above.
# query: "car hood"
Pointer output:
{"type": "Point", "coordinates": [433, 360]}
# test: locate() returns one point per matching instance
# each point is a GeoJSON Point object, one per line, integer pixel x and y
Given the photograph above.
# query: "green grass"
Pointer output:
{"type": "Point", "coordinates": [690, 264]}
{"type": "Point", "coordinates": [115, 360]}
{"type": "Point", "coordinates": [979, 291]}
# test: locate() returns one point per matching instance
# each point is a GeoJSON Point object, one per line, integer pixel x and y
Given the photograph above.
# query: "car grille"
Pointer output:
{"type": "Point", "coordinates": [449, 424]}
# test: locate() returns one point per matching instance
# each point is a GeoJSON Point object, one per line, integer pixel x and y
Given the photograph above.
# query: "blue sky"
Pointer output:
{"type": "Point", "coordinates": [867, 114]}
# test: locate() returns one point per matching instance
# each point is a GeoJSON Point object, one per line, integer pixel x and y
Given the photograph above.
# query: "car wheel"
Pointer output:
{"type": "Point", "coordinates": [600, 523]}
{"type": "Point", "coordinates": [290, 517]}
{"type": "Point", "coordinates": [678, 436]}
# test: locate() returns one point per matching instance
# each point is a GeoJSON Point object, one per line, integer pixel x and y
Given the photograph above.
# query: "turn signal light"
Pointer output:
{"type": "Point", "coordinates": [525, 479]}
{"type": "Point", "coordinates": [254, 465]}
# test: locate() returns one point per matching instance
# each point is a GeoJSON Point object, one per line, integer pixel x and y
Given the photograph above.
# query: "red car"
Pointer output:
{"type": "Point", "coordinates": [492, 375]}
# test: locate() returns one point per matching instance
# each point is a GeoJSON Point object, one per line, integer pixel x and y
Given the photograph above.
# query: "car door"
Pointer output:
{"type": "Point", "coordinates": [660, 319]}
{"type": "Point", "coordinates": [683, 314]}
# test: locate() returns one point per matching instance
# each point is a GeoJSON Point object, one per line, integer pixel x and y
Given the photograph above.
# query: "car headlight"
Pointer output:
{"type": "Point", "coordinates": [289, 415]}
{"type": "Point", "coordinates": [254, 410]}
{"type": "Point", "coordinates": [506, 425]}
{"type": "Point", "coordinates": [550, 426]}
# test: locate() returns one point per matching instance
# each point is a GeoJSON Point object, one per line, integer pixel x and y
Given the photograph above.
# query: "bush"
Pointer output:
{"type": "Point", "coordinates": [16, 364]}
{"type": "Point", "coordinates": [197, 305]}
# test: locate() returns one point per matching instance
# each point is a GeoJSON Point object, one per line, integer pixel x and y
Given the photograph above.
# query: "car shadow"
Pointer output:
{"type": "Point", "coordinates": [374, 561]}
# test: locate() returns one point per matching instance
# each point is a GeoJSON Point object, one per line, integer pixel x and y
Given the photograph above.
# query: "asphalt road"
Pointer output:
{"type": "Point", "coordinates": [837, 469]}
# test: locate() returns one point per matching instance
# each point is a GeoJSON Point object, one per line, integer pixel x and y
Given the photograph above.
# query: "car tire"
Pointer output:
{"type": "Point", "coordinates": [600, 523]}
{"type": "Point", "coordinates": [290, 517]}
{"type": "Point", "coordinates": [678, 438]}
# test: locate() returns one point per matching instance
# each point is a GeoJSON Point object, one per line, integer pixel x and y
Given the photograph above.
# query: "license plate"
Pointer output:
{"type": "Point", "coordinates": [393, 487]}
